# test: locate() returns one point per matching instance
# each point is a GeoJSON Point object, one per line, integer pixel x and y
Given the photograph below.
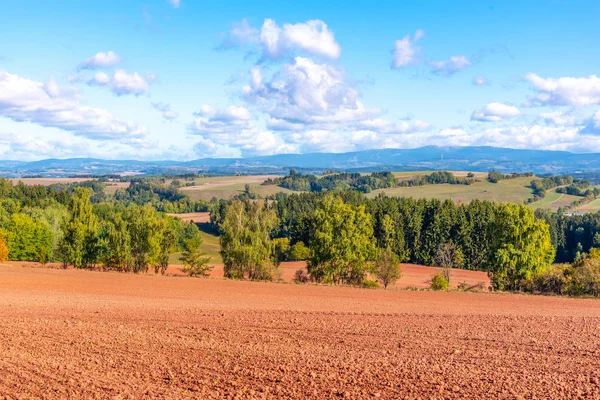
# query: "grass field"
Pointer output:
{"type": "Point", "coordinates": [592, 206]}
{"type": "Point", "coordinates": [210, 242]}
{"type": "Point", "coordinates": [225, 187]}
{"type": "Point", "coordinates": [406, 175]}
{"type": "Point", "coordinates": [554, 200]}
{"type": "Point", "coordinates": [515, 190]}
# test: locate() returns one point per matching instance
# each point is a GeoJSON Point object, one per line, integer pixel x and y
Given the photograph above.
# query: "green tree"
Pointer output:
{"type": "Point", "coordinates": [281, 250]}
{"type": "Point", "coordinates": [246, 245]}
{"type": "Point", "coordinates": [117, 245]}
{"type": "Point", "coordinates": [195, 261]}
{"type": "Point", "coordinates": [521, 246]}
{"type": "Point", "coordinates": [299, 252]}
{"type": "Point", "coordinates": [167, 242]}
{"type": "Point", "coordinates": [28, 239]}
{"type": "Point", "coordinates": [145, 235]}
{"type": "Point", "coordinates": [342, 242]}
{"type": "Point", "coordinates": [79, 245]}
{"type": "Point", "coordinates": [387, 267]}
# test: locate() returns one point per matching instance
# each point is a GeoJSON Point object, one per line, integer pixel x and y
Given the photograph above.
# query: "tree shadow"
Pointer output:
{"type": "Point", "coordinates": [207, 228]}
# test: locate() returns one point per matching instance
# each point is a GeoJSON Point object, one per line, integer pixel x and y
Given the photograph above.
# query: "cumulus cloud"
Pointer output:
{"type": "Point", "coordinates": [559, 118]}
{"type": "Point", "coordinates": [165, 110]}
{"type": "Point", "coordinates": [405, 51]}
{"type": "Point", "coordinates": [592, 124]}
{"type": "Point", "coordinates": [100, 60]}
{"type": "Point", "coordinates": [275, 42]}
{"type": "Point", "coordinates": [174, 3]}
{"type": "Point", "coordinates": [46, 104]}
{"type": "Point", "coordinates": [480, 81]}
{"type": "Point", "coordinates": [232, 129]}
{"type": "Point", "coordinates": [241, 34]}
{"type": "Point", "coordinates": [122, 83]}
{"type": "Point", "coordinates": [308, 93]}
{"type": "Point", "coordinates": [494, 112]}
{"type": "Point", "coordinates": [385, 126]}
{"type": "Point", "coordinates": [565, 91]}
{"type": "Point", "coordinates": [451, 66]}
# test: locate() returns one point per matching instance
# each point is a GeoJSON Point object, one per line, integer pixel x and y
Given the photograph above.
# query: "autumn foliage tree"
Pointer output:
{"type": "Point", "coordinates": [3, 249]}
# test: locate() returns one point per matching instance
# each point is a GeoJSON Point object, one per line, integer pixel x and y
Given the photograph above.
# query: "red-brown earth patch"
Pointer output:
{"type": "Point", "coordinates": [86, 334]}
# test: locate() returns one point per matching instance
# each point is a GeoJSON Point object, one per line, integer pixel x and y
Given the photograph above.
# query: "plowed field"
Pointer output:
{"type": "Point", "coordinates": [81, 334]}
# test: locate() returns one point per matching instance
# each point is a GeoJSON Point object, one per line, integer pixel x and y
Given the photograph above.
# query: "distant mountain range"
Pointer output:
{"type": "Point", "coordinates": [424, 158]}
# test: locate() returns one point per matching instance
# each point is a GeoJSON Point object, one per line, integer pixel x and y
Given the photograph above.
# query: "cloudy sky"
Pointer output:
{"type": "Point", "coordinates": [187, 79]}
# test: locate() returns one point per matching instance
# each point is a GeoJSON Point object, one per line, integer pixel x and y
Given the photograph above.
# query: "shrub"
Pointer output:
{"type": "Point", "coordinates": [370, 284]}
{"type": "Point", "coordinates": [439, 282]}
{"type": "Point", "coordinates": [301, 276]}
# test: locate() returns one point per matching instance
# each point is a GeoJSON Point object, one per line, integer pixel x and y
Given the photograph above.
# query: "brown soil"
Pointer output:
{"type": "Point", "coordinates": [48, 181]}
{"type": "Point", "coordinates": [83, 334]}
{"type": "Point", "coordinates": [198, 217]}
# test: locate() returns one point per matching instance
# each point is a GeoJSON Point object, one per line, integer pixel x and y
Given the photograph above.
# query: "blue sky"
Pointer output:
{"type": "Point", "coordinates": [168, 79]}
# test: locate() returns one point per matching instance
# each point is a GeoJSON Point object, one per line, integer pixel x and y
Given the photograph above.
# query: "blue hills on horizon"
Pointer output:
{"type": "Point", "coordinates": [482, 158]}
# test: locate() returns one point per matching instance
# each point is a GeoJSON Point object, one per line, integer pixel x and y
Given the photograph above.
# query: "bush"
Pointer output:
{"type": "Point", "coordinates": [301, 276]}
{"type": "Point", "coordinates": [439, 282]}
{"type": "Point", "coordinates": [370, 284]}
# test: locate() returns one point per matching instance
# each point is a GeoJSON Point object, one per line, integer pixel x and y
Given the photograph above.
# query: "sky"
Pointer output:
{"type": "Point", "coordinates": [189, 79]}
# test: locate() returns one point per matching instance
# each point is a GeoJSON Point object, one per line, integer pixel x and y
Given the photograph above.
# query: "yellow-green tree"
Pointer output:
{"type": "Point", "coordinates": [246, 245]}
{"type": "Point", "coordinates": [79, 244]}
{"type": "Point", "coordinates": [342, 242]}
{"type": "Point", "coordinates": [521, 246]}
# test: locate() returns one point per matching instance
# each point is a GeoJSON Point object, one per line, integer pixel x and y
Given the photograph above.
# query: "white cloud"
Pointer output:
{"type": "Point", "coordinates": [480, 81]}
{"type": "Point", "coordinates": [25, 100]}
{"type": "Point", "coordinates": [174, 3]}
{"type": "Point", "coordinates": [386, 126]}
{"type": "Point", "coordinates": [592, 124]}
{"type": "Point", "coordinates": [100, 60]}
{"type": "Point", "coordinates": [305, 92]}
{"type": "Point", "coordinates": [231, 131]}
{"type": "Point", "coordinates": [122, 83]}
{"type": "Point", "coordinates": [276, 42]}
{"type": "Point", "coordinates": [565, 91]}
{"type": "Point", "coordinates": [405, 52]}
{"type": "Point", "coordinates": [165, 110]}
{"type": "Point", "coordinates": [559, 118]}
{"type": "Point", "coordinates": [494, 112]}
{"type": "Point", "coordinates": [241, 34]}
{"type": "Point", "coordinates": [450, 66]}
{"type": "Point", "coordinates": [283, 125]}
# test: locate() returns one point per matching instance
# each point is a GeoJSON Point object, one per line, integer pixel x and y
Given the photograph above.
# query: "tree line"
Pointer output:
{"type": "Point", "coordinates": [64, 225]}
{"type": "Point", "coordinates": [345, 234]}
